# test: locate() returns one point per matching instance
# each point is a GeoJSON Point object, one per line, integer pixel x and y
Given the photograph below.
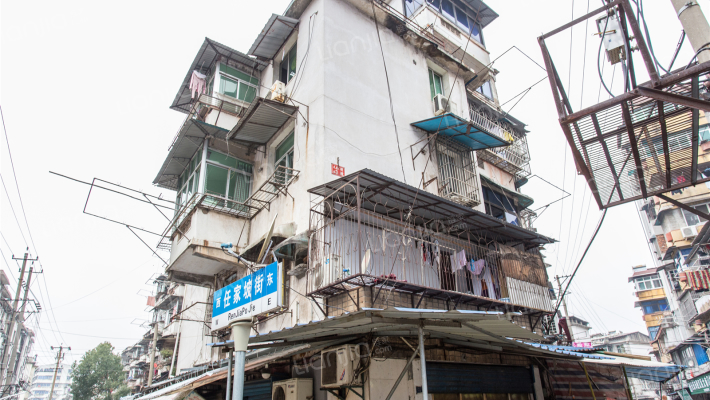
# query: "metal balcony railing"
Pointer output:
{"type": "Point", "coordinates": [515, 158]}
{"type": "Point", "coordinates": [260, 199]}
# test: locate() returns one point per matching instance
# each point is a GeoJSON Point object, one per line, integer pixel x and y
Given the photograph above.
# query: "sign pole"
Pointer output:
{"type": "Point", "coordinates": [240, 335]}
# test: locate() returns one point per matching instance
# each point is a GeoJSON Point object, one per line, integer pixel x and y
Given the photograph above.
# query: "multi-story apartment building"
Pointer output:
{"type": "Point", "coordinates": [652, 301]}
{"type": "Point", "coordinates": [636, 344]}
{"type": "Point", "coordinates": [361, 146]}
{"type": "Point", "coordinates": [42, 382]}
{"type": "Point", "coordinates": [19, 379]}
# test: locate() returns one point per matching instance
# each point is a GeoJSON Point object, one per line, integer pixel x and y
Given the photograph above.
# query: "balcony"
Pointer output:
{"type": "Point", "coordinates": [652, 294]}
{"type": "Point", "coordinates": [514, 158]}
{"type": "Point", "coordinates": [196, 237]}
{"type": "Point", "coordinates": [399, 242]}
{"type": "Point", "coordinates": [457, 173]}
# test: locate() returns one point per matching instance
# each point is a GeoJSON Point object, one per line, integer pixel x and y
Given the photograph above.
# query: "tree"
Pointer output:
{"type": "Point", "coordinates": [98, 375]}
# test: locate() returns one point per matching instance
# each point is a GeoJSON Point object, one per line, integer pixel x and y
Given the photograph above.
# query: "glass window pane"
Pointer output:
{"type": "Point", "coordinates": [690, 218]}
{"type": "Point", "coordinates": [292, 63]}
{"type": "Point", "coordinates": [216, 180]}
{"type": "Point", "coordinates": [461, 19]}
{"type": "Point", "coordinates": [283, 74]}
{"type": "Point", "coordinates": [448, 9]}
{"type": "Point", "coordinates": [196, 189]}
{"type": "Point", "coordinates": [438, 85]}
{"type": "Point", "coordinates": [246, 93]}
{"type": "Point", "coordinates": [238, 187]}
{"type": "Point", "coordinates": [486, 90]}
{"type": "Point", "coordinates": [284, 147]}
{"type": "Point", "coordinates": [222, 158]}
{"type": "Point", "coordinates": [190, 186]}
{"type": "Point", "coordinates": [435, 3]}
{"type": "Point", "coordinates": [238, 74]}
{"type": "Point", "coordinates": [475, 31]}
{"type": "Point", "coordinates": [410, 6]}
{"type": "Point", "coordinates": [228, 86]}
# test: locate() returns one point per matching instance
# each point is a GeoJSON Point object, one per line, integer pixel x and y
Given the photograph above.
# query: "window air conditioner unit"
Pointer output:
{"type": "Point", "coordinates": [441, 104]}
{"type": "Point", "coordinates": [689, 232]}
{"type": "Point", "coordinates": [338, 366]}
{"type": "Point", "coordinates": [293, 389]}
{"type": "Point", "coordinates": [277, 92]}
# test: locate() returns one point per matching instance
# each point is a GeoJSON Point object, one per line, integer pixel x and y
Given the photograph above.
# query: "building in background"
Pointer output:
{"type": "Point", "coordinates": [631, 344]}
{"type": "Point", "coordinates": [42, 382]}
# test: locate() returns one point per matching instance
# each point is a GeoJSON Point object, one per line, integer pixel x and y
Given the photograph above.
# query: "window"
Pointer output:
{"type": "Point", "coordinates": [676, 141]}
{"type": "Point", "coordinates": [410, 6]}
{"type": "Point", "coordinates": [456, 15]}
{"type": "Point", "coordinates": [648, 282]}
{"type": "Point", "coordinates": [236, 84]}
{"type": "Point", "coordinates": [486, 90]}
{"type": "Point", "coordinates": [435, 84]}
{"type": "Point", "coordinates": [693, 219]}
{"type": "Point", "coordinates": [498, 204]}
{"type": "Point", "coordinates": [284, 157]}
{"type": "Point", "coordinates": [189, 180]}
{"type": "Point", "coordinates": [288, 66]}
{"type": "Point", "coordinates": [650, 307]}
{"type": "Point", "coordinates": [653, 331]}
{"type": "Point", "coordinates": [704, 133]}
{"type": "Point", "coordinates": [227, 176]}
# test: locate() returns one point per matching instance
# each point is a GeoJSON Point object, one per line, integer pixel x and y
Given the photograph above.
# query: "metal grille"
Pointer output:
{"type": "Point", "coordinates": [603, 140]}
{"type": "Point", "coordinates": [351, 247]}
{"type": "Point", "coordinates": [457, 173]}
{"type": "Point", "coordinates": [515, 158]}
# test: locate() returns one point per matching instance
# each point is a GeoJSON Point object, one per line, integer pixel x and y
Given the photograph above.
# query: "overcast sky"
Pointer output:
{"type": "Point", "coordinates": [85, 90]}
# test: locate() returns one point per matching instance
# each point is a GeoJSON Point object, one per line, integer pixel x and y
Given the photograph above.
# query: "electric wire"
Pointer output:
{"type": "Point", "coordinates": [389, 91]}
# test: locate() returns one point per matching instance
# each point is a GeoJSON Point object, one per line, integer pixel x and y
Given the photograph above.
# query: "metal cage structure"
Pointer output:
{"type": "Point", "coordinates": [362, 234]}
{"type": "Point", "coordinates": [457, 172]}
{"type": "Point", "coordinates": [643, 142]}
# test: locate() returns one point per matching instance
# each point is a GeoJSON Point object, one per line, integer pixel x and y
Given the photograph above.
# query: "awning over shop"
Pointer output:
{"type": "Point", "coordinates": [209, 53]}
{"type": "Point", "coordinates": [190, 137]}
{"type": "Point", "coordinates": [273, 36]}
{"type": "Point", "coordinates": [642, 369]}
{"type": "Point", "coordinates": [523, 200]}
{"type": "Point", "coordinates": [469, 133]}
{"type": "Point", "coordinates": [261, 121]}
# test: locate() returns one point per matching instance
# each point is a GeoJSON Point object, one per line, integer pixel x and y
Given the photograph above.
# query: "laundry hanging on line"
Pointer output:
{"type": "Point", "coordinates": [197, 84]}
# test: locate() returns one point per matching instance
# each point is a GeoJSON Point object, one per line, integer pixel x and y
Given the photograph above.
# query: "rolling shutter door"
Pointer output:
{"type": "Point", "coordinates": [463, 378]}
{"type": "Point", "coordinates": [257, 390]}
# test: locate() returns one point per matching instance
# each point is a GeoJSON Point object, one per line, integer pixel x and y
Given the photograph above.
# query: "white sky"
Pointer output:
{"type": "Point", "coordinates": [85, 89]}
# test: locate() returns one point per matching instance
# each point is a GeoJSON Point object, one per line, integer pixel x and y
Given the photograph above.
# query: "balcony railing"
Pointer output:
{"type": "Point", "coordinates": [385, 251]}
{"type": "Point", "coordinates": [457, 173]}
{"type": "Point", "coordinates": [260, 199]}
{"type": "Point", "coordinates": [515, 158]}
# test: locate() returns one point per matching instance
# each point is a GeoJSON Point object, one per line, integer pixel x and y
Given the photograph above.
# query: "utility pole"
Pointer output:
{"type": "Point", "coordinates": [20, 319]}
{"type": "Point", "coordinates": [56, 368]}
{"type": "Point", "coordinates": [695, 26]}
{"type": "Point", "coordinates": [11, 321]}
{"type": "Point", "coordinates": [564, 305]}
{"type": "Point", "coordinates": [152, 353]}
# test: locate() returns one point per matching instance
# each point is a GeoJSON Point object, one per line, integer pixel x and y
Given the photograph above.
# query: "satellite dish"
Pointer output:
{"type": "Point", "coordinates": [267, 240]}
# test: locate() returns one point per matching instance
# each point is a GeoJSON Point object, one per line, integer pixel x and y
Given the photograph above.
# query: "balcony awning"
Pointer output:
{"type": "Point", "coordinates": [188, 140]}
{"type": "Point", "coordinates": [461, 130]}
{"type": "Point", "coordinates": [261, 121]}
{"type": "Point", "coordinates": [523, 200]}
{"type": "Point", "coordinates": [395, 199]}
{"type": "Point", "coordinates": [209, 53]}
{"type": "Point", "coordinates": [273, 36]}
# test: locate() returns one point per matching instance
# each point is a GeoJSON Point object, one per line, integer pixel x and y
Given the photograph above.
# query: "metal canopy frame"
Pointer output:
{"type": "Point", "coordinates": [615, 142]}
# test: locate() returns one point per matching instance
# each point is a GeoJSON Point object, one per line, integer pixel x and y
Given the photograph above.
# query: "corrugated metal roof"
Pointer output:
{"type": "Point", "coordinates": [272, 36]}
{"type": "Point", "coordinates": [261, 121]}
{"type": "Point", "coordinates": [389, 194]}
{"type": "Point", "coordinates": [206, 57]}
{"type": "Point", "coordinates": [642, 369]}
{"type": "Point", "coordinates": [462, 131]}
{"type": "Point", "coordinates": [188, 140]}
{"type": "Point", "coordinates": [485, 15]}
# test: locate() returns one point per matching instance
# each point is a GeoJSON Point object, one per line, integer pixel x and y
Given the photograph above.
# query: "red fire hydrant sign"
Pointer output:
{"type": "Point", "coordinates": [337, 170]}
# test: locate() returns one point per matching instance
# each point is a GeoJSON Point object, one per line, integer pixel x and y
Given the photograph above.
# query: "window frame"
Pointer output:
{"type": "Point", "coordinates": [287, 155]}
{"type": "Point", "coordinates": [291, 56]}
{"type": "Point", "coordinates": [432, 83]}
{"type": "Point", "coordinates": [474, 30]}
{"type": "Point", "coordinates": [223, 75]}
{"type": "Point", "coordinates": [648, 280]}
{"type": "Point", "coordinates": [687, 215]}
{"type": "Point", "coordinates": [230, 170]}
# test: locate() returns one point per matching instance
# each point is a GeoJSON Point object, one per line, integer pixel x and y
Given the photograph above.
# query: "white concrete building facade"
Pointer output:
{"type": "Point", "coordinates": [42, 382]}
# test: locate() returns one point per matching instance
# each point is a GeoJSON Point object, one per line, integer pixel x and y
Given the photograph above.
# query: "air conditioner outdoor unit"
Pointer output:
{"type": "Point", "coordinates": [689, 232]}
{"type": "Point", "coordinates": [338, 366]}
{"type": "Point", "coordinates": [277, 92]}
{"type": "Point", "coordinates": [293, 389]}
{"type": "Point", "coordinates": [441, 104]}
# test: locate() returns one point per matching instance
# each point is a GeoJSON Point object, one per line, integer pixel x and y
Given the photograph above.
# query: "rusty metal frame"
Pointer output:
{"type": "Point", "coordinates": [654, 89]}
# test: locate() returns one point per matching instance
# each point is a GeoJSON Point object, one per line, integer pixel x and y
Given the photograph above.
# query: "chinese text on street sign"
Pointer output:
{"type": "Point", "coordinates": [254, 294]}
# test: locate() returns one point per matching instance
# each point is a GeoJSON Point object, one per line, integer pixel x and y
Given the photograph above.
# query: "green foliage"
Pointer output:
{"type": "Point", "coordinates": [166, 353]}
{"type": "Point", "coordinates": [99, 375]}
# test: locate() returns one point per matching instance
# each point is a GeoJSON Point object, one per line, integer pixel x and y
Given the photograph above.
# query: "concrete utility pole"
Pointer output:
{"type": "Point", "coordinates": [564, 306]}
{"type": "Point", "coordinates": [56, 368]}
{"type": "Point", "coordinates": [151, 371]}
{"type": "Point", "coordinates": [695, 25]}
{"type": "Point", "coordinates": [20, 317]}
{"type": "Point", "coordinates": [11, 321]}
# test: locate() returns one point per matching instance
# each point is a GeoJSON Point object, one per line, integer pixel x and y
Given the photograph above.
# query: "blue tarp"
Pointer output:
{"type": "Point", "coordinates": [456, 127]}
